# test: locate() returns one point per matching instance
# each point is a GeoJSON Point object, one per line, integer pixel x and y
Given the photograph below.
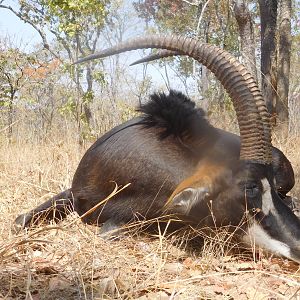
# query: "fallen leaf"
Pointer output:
{"type": "Point", "coordinates": [228, 285]}
{"type": "Point", "coordinates": [57, 283]}
{"type": "Point", "coordinates": [47, 270]}
{"type": "Point", "coordinates": [219, 290]}
{"type": "Point", "coordinates": [35, 296]}
{"type": "Point", "coordinates": [173, 268]}
{"type": "Point", "coordinates": [255, 294]}
{"type": "Point", "coordinates": [245, 266]}
{"type": "Point", "coordinates": [107, 286]}
{"type": "Point", "coordinates": [155, 296]}
{"type": "Point", "coordinates": [188, 262]}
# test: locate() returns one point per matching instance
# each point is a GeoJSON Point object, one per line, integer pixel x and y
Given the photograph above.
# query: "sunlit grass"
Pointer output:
{"type": "Point", "coordinates": [70, 261]}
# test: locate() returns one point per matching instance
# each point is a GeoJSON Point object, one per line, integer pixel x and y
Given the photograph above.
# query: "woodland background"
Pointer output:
{"type": "Point", "coordinates": [52, 110]}
{"type": "Point", "coordinates": [41, 90]}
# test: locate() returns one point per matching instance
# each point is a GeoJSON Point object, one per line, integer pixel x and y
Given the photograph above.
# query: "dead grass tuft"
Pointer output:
{"type": "Point", "coordinates": [291, 148]}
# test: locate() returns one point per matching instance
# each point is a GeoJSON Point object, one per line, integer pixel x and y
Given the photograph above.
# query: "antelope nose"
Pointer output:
{"type": "Point", "coordinates": [295, 253]}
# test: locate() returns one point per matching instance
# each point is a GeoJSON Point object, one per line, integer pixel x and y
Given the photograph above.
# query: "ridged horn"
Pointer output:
{"type": "Point", "coordinates": [168, 53]}
{"type": "Point", "coordinates": [251, 111]}
{"type": "Point", "coordinates": [155, 56]}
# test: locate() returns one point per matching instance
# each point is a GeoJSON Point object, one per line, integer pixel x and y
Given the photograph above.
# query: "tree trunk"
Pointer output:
{"type": "Point", "coordinates": [10, 115]}
{"type": "Point", "coordinates": [284, 57]}
{"type": "Point", "coordinates": [244, 20]}
{"type": "Point", "coordinates": [268, 16]}
{"type": "Point", "coordinates": [89, 91]}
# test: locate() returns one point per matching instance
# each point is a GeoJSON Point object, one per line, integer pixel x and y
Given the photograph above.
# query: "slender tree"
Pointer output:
{"type": "Point", "coordinates": [13, 77]}
{"type": "Point", "coordinates": [268, 18]}
{"type": "Point", "coordinates": [283, 64]}
{"type": "Point", "coordinates": [246, 32]}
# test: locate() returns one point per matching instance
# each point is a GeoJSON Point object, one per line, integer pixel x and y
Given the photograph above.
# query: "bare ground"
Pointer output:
{"type": "Point", "coordinates": [70, 261]}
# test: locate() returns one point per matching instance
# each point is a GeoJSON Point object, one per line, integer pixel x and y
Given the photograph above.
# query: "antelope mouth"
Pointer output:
{"type": "Point", "coordinates": [257, 237]}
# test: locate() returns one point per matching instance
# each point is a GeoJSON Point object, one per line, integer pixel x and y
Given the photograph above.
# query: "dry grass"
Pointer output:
{"type": "Point", "coordinates": [70, 261]}
{"type": "Point", "coordinates": [291, 148]}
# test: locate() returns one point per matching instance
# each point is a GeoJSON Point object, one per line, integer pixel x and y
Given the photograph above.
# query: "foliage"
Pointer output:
{"type": "Point", "coordinates": [73, 28]}
{"type": "Point", "coordinates": [175, 16]}
{"type": "Point", "coordinates": [66, 18]}
{"type": "Point", "coordinates": [76, 26]}
{"type": "Point", "coordinates": [14, 73]}
{"type": "Point", "coordinates": [213, 23]}
{"type": "Point", "coordinates": [127, 111]}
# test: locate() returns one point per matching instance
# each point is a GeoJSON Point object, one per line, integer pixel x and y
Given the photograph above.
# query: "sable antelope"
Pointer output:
{"type": "Point", "coordinates": [177, 163]}
{"type": "Point", "coordinates": [283, 171]}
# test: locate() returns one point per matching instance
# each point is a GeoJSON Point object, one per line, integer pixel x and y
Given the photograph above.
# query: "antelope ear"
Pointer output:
{"type": "Point", "coordinates": [183, 202]}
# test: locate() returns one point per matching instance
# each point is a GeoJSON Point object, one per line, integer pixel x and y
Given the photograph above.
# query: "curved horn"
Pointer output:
{"type": "Point", "coordinates": [251, 111]}
{"type": "Point", "coordinates": [168, 53]}
{"type": "Point", "coordinates": [155, 56]}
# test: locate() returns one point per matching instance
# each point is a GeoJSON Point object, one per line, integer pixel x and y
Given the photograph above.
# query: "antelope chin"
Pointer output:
{"type": "Point", "coordinates": [257, 237]}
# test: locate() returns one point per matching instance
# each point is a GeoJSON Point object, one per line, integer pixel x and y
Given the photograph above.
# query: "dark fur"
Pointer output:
{"type": "Point", "coordinates": [154, 152]}
{"type": "Point", "coordinates": [176, 115]}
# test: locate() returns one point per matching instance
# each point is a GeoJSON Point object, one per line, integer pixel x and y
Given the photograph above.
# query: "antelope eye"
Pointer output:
{"type": "Point", "coordinates": [252, 190]}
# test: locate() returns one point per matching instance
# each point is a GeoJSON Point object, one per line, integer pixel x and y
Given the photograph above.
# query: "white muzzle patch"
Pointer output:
{"type": "Point", "coordinates": [257, 237]}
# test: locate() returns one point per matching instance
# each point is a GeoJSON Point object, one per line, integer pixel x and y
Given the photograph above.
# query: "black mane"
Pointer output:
{"type": "Point", "coordinates": [176, 114]}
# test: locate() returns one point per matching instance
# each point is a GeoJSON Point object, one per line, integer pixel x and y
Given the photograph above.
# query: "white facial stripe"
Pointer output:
{"type": "Point", "coordinates": [267, 202]}
{"type": "Point", "coordinates": [258, 236]}
{"type": "Point", "coordinates": [268, 207]}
